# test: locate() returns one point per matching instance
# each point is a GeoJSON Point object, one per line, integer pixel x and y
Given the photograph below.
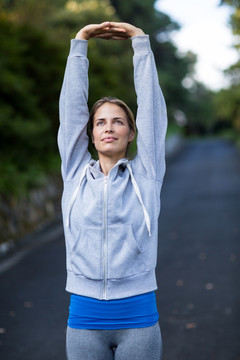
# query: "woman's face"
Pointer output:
{"type": "Point", "coordinates": [111, 132]}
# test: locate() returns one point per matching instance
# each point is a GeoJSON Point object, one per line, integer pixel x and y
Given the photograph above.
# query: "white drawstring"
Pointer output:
{"type": "Point", "coordinates": [135, 186]}
{"type": "Point", "coordinates": [74, 195]}
{"type": "Point", "coordinates": [137, 191]}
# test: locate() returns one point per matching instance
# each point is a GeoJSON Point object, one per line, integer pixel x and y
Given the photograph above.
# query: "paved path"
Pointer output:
{"type": "Point", "coordinates": [199, 254]}
{"type": "Point", "coordinates": [198, 269]}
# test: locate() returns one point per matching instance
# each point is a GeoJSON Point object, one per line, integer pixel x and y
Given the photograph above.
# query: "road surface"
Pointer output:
{"type": "Point", "coordinates": [198, 268]}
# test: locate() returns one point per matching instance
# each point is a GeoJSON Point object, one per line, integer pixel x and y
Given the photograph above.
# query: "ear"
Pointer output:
{"type": "Point", "coordinates": [131, 137]}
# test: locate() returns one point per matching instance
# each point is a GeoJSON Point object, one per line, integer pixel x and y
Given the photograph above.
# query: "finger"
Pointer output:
{"type": "Point", "coordinates": [94, 28]}
{"type": "Point", "coordinates": [115, 29]}
{"type": "Point", "coordinates": [110, 36]}
{"type": "Point", "coordinates": [91, 29]}
{"type": "Point", "coordinates": [109, 32]}
{"type": "Point", "coordinates": [116, 24]}
{"type": "Point", "coordinates": [102, 35]}
{"type": "Point", "coordinates": [104, 24]}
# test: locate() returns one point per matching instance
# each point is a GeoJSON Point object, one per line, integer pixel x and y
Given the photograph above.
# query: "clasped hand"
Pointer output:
{"type": "Point", "coordinates": [109, 30]}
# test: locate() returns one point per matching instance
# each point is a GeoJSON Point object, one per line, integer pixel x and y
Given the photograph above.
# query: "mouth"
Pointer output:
{"type": "Point", "coordinates": [109, 139]}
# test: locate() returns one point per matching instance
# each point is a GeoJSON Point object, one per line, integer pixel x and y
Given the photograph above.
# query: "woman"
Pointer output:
{"type": "Point", "coordinates": [111, 206]}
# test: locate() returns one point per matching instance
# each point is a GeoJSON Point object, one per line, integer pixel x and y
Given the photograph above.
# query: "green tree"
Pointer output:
{"type": "Point", "coordinates": [227, 101]}
{"type": "Point", "coordinates": [32, 60]}
{"type": "Point", "coordinates": [34, 43]}
{"type": "Point", "coordinates": [29, 64]}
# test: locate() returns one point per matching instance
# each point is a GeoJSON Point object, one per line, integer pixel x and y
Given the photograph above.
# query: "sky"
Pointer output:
{"type": "Point", "coordinates": [206, 32]}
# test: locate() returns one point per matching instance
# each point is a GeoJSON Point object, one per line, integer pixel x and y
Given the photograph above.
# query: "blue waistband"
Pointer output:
{"type": "Point", "coordinates": [133, 312]}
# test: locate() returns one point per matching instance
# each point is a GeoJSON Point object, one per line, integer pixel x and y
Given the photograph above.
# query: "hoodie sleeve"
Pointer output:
{"type": "Point", "coordinates": [74, 114]}
{"type": "Point", "coordinates": [151, 119]}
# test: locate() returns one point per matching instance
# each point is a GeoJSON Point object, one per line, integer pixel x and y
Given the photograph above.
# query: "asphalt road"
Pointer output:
{"type": "Point", "coordinates": [198, 268]}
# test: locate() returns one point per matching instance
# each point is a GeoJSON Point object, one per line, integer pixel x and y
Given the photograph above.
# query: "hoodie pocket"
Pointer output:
{"type": "Point", "coordinates": [125, 257]}
{"type": "Point", "coordinates": [87, 253]}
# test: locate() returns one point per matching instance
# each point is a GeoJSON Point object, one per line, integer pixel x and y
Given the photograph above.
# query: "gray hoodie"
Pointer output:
{"type": "Point", "coordinates": [111, 222]}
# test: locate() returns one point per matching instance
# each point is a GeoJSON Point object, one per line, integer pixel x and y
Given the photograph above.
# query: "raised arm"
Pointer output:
{"type": "Point", "coordinates": [151, 117]}
{"type": "Point", "coordinates": [151, 112]}
{"type": "Point", "coordinates": [74, 114]}
{"type": "Point", "coordinates": [72, 135]}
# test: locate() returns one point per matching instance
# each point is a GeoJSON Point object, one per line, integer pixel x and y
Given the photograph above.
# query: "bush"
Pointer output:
{"type": "Point", "coordinates": [31, 74]}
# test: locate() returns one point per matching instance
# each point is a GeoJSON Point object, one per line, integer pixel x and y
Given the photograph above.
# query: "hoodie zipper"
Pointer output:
{"type": "Point", "coordinates": [105, 239]}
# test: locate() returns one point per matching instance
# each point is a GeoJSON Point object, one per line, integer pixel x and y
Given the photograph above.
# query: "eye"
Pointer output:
{"type": "Point", "coordinates": [118, 122]}
{"type": "Point", "coordinates": [99, 123]}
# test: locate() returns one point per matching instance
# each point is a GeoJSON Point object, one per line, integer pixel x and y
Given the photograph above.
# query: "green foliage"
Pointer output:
{"type": "Point", "coordinates": [28, 115]}
{"type": "Point", "coordinates": [143, 14]}
{"type": "Point", "coordinates": [201, 112]}
{"type": "Point", "coordinates": [235, 17]}
{"type": "Point", "coordinates": [34, 43]}
{"type": "Point", "coordinates": [112, 73]}
{"type": "Point", "coordinates": [227, 104]}
{"type": "Point", "coordinates": [227, 101]}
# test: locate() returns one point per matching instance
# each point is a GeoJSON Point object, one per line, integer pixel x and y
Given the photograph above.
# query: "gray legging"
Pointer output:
{"type": "Point", "coordinates": [123, 344]}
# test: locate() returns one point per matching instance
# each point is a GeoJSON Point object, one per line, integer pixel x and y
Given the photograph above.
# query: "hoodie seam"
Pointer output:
{"type": "Point", "coordinates": [135, 173]}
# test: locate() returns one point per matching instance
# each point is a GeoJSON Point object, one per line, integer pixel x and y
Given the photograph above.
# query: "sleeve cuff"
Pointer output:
{"type": "Point", "coordinates": [141, 44]}
{"type": "Point", "coordinates": [78, 47]}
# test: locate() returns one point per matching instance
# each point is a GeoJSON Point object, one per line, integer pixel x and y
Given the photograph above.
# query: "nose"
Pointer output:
{"type": "Point", "coordinates": [109, 127]}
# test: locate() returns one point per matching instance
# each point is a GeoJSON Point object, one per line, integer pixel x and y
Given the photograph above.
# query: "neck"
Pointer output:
{"type": "Point", "coordinates": [107, 163]}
